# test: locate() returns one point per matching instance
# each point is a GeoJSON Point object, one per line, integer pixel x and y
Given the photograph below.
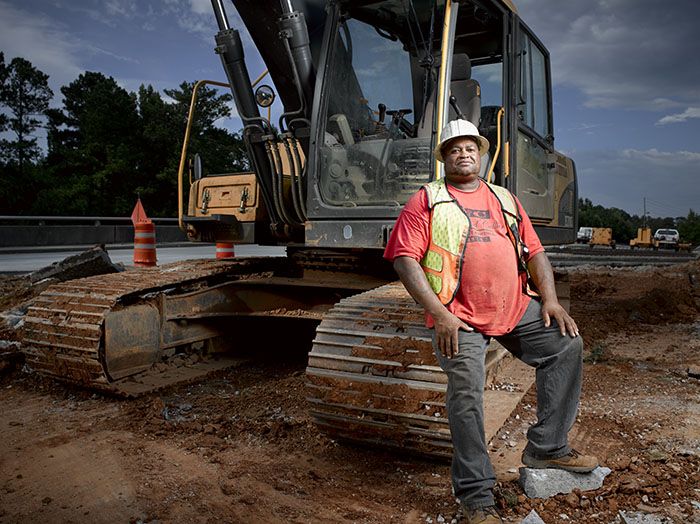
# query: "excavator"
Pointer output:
{"type": "Point", "coordinates": [366, 85]}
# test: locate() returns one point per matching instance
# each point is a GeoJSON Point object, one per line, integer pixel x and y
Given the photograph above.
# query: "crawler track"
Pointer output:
{"type": "Point", "coordinates": [64, 331]}
{"type": "Point", "coordinates": [373, 378]}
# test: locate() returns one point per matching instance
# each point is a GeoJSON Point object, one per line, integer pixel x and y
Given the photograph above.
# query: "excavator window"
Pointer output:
{"type": "Point", "coordinates": [374, 152]}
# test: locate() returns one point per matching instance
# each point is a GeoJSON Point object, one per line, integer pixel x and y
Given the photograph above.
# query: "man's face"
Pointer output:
{"type": "Point", "coordinates": [462, 160]}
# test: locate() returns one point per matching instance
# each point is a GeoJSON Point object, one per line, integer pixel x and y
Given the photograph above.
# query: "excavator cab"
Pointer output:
{"type": "Point", "coordinates": [367, 86]}
{"type": "Point", "coordinates": [392, 75]}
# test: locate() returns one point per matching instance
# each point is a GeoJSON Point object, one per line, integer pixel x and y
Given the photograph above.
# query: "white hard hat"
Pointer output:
{"type": "Point", "coordinates": [457, 128]}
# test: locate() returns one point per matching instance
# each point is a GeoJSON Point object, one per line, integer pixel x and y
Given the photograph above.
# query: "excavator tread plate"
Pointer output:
{"type": "Point", "coordinates": [147, 382]}
{"type": "Point", "coordinates": [64, 328]}
{"type": "Point", "coordinates": [373, 378]}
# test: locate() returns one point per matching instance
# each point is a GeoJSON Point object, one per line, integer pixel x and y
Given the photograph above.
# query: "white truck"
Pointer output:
{"type": "Point", "coordinates": [667, 238]}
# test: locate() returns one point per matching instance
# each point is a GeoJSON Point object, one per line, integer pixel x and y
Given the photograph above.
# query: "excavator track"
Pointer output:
{"type": "Point", "coordinates": [67, 327]}
{"type": "Point", "coordinates": [373, 378]}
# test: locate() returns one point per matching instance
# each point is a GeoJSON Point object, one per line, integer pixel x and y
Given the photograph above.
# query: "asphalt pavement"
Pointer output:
{"type": "Point", "coordinates": [26, 260]}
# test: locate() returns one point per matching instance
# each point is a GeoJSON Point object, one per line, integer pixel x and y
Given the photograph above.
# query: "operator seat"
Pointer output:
{"type": "Point", "coordinates": [465, 89]}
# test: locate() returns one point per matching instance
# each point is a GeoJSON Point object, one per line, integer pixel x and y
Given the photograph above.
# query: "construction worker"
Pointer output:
{"type": "Point", "coordinates": [465, 250]}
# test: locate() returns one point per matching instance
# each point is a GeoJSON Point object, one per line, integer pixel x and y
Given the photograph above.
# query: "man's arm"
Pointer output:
{"type": "Point", "coordinates": [447, 325]}
{"type": "Point", "coordinates": [541, 273]}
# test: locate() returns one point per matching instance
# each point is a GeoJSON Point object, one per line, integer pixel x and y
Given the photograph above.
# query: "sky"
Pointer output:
{"type": "Point", "coordinates": [625, 73]}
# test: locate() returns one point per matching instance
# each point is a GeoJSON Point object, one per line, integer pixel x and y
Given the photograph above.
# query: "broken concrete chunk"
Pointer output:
{"type": "Point", "coordinates": [641, 518]}
{"type": "Point", "coordinates": [545, 483]}
{"type": "Point", "coordinates": [532, 518]}
{"type": "Point", "coordinates": [94, 261]}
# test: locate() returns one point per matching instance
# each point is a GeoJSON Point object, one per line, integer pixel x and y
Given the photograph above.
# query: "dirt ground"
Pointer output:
{"type": "Point", "coordinates": [240, 446]}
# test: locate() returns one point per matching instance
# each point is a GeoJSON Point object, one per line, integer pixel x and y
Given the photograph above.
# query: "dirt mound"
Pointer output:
{"type": "Point", "coordinates": [609, 301]}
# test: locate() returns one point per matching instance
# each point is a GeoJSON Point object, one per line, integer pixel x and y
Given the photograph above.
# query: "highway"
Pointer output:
{"type": "Point", "coordinates": [19, 261]}
{"type": "Point", "coordinates": [26, 260]}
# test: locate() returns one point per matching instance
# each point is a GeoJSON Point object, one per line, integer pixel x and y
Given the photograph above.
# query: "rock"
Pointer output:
{"type": "Point", "coordinates": [639, 518]}
{"type": "Point", "coordinates": [694, 371]}
{"type": "Point", "coordinates": [572, 500]}
{"type": "Point", "coordinates": [656, 455]}
{"type": "Point", "coordinates": [532, 518]}
{"type": "Point", "coordinates": [94, 261]}
{"type": "Point", "coordinates": [633, 483]}
{"type": "Point", "coordinates": [545, 483]}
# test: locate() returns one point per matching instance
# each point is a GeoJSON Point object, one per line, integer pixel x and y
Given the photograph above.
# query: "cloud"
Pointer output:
{"type": "Point", "coordinates": [624, 178]}
{"type": "Point", "coordinates": [201, 7]}
{"type": "Point", "coordinates": [634, 54]}
{"type": "Point", "coordinates": [121, 58]}
{"type": "Point", "coordinates": [50, 47]}
{"type": "Point", "coordinates": [125, 8]}
{"type": "Point", "coordinates": [691, 112]}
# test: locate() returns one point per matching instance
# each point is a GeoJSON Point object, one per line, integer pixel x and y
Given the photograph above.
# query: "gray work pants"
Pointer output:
{"type": "Point", "coordinates": [558, 362]}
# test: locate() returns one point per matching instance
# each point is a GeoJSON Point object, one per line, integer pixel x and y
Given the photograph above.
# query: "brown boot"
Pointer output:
{"type": "Point", "coordinates": [574, 462]}
{"type": "Point", "coordinates": [487, 515]}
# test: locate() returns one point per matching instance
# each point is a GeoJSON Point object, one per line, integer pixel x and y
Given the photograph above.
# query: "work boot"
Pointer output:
{"type": "Point", "coordinates": [487, 515]}
{"type": "Point", "coordinates": [574, 462]}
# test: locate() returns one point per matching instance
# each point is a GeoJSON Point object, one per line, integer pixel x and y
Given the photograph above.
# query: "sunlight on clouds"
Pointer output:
{"type": "Point", "coordinates": [691, 112]}
{"type": "Point", "coordinates": [664, 158]}
{"type": "Point", "coordinates": [201, 7]}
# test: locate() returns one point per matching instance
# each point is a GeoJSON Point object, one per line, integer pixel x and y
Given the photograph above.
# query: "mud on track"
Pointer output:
{"type": "Point", "coordinates": [240, 447]}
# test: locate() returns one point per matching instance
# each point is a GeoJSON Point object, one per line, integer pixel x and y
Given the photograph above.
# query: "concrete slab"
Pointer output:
{"type": "Point", "coordinates": [545, 483]}
{"type": "Point", "coordinates": [628, 517]}
{"type": "Point", "coordinates": [532, 518]}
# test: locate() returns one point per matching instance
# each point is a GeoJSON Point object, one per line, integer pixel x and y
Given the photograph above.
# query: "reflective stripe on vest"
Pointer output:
{"type": "Point", "coordinates": [449, 230]}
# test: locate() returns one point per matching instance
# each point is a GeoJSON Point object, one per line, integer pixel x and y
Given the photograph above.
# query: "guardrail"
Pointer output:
{"type": "Point", "coordinates": [23, 231]}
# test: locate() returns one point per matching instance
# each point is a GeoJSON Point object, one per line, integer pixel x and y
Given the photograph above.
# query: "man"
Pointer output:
{"type": "Point", "coordinates": [464, 250]}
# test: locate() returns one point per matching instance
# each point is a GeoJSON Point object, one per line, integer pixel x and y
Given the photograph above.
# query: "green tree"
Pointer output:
{"type": "Point", "coordinates": [689, 228]}
{"type": "Point", "coordinates": [3, 79]}
{"type": "Point", "coordinates": [221, 151]}
{"type": "Point", "coordinates": [25, 94]}
{"type": "Point", "coordinates": [162, 132]}
{"type": "Point", "coordinates": [94, 148]}
{"type": "Point", "coordinates": [106, 145]}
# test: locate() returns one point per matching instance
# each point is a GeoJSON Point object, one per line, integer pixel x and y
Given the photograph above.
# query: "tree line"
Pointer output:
{"type": "Point", "coordinates": [104, 145]}
{"type": "Point", "coordinates": [624, 225]}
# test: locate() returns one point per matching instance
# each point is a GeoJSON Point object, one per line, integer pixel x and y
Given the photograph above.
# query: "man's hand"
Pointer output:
{"type": "Point", "coordinates": [447, 328]}
{"type": "Point", "coordinates": [447, 325]}
{"type": "Point", "coordinates": [541, 272]}
{"type": "Point", "coordinates": [566, 323]}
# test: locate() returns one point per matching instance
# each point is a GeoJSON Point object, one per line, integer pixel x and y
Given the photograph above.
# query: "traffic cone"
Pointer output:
{"type": "Point", "coordinates": [224, 250]}
{"type": "Point", "coordinates": [144, 237]}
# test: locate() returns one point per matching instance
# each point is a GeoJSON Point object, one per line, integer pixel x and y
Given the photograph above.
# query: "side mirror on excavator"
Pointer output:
{"type": "Point", "coordinates": [264, 96]}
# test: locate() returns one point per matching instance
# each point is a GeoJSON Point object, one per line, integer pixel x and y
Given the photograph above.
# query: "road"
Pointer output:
{"type": "Point", "coordinates": [28, 261]}
{"type": "Point", "coordinates": [31, 259]}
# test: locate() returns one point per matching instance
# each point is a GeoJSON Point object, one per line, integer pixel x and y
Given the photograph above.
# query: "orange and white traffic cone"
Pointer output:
{"type": "Point", "coordinates": [145, 244]}
{"type": "Point", "coordinates": [144, 237]}
{"type": "Point", "coordinates": [225, 250]}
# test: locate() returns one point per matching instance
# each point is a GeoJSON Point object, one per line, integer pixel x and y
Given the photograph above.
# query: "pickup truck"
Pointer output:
{"type": "Point", "coordinates": [584, 235]}
{"type": "Point", "coordinates": [667, 238]}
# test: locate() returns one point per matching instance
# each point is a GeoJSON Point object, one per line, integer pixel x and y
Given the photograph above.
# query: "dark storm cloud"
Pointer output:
{"type": "Point", "coordinates": [632, 54]}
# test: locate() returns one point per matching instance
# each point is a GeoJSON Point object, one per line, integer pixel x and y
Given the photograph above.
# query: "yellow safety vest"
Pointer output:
{"type": "Point", "coordinates": [449, 230]}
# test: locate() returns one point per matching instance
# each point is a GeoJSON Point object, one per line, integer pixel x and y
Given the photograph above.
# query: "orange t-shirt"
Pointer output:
{"type": "Point", "coordinates": [490, 297]}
